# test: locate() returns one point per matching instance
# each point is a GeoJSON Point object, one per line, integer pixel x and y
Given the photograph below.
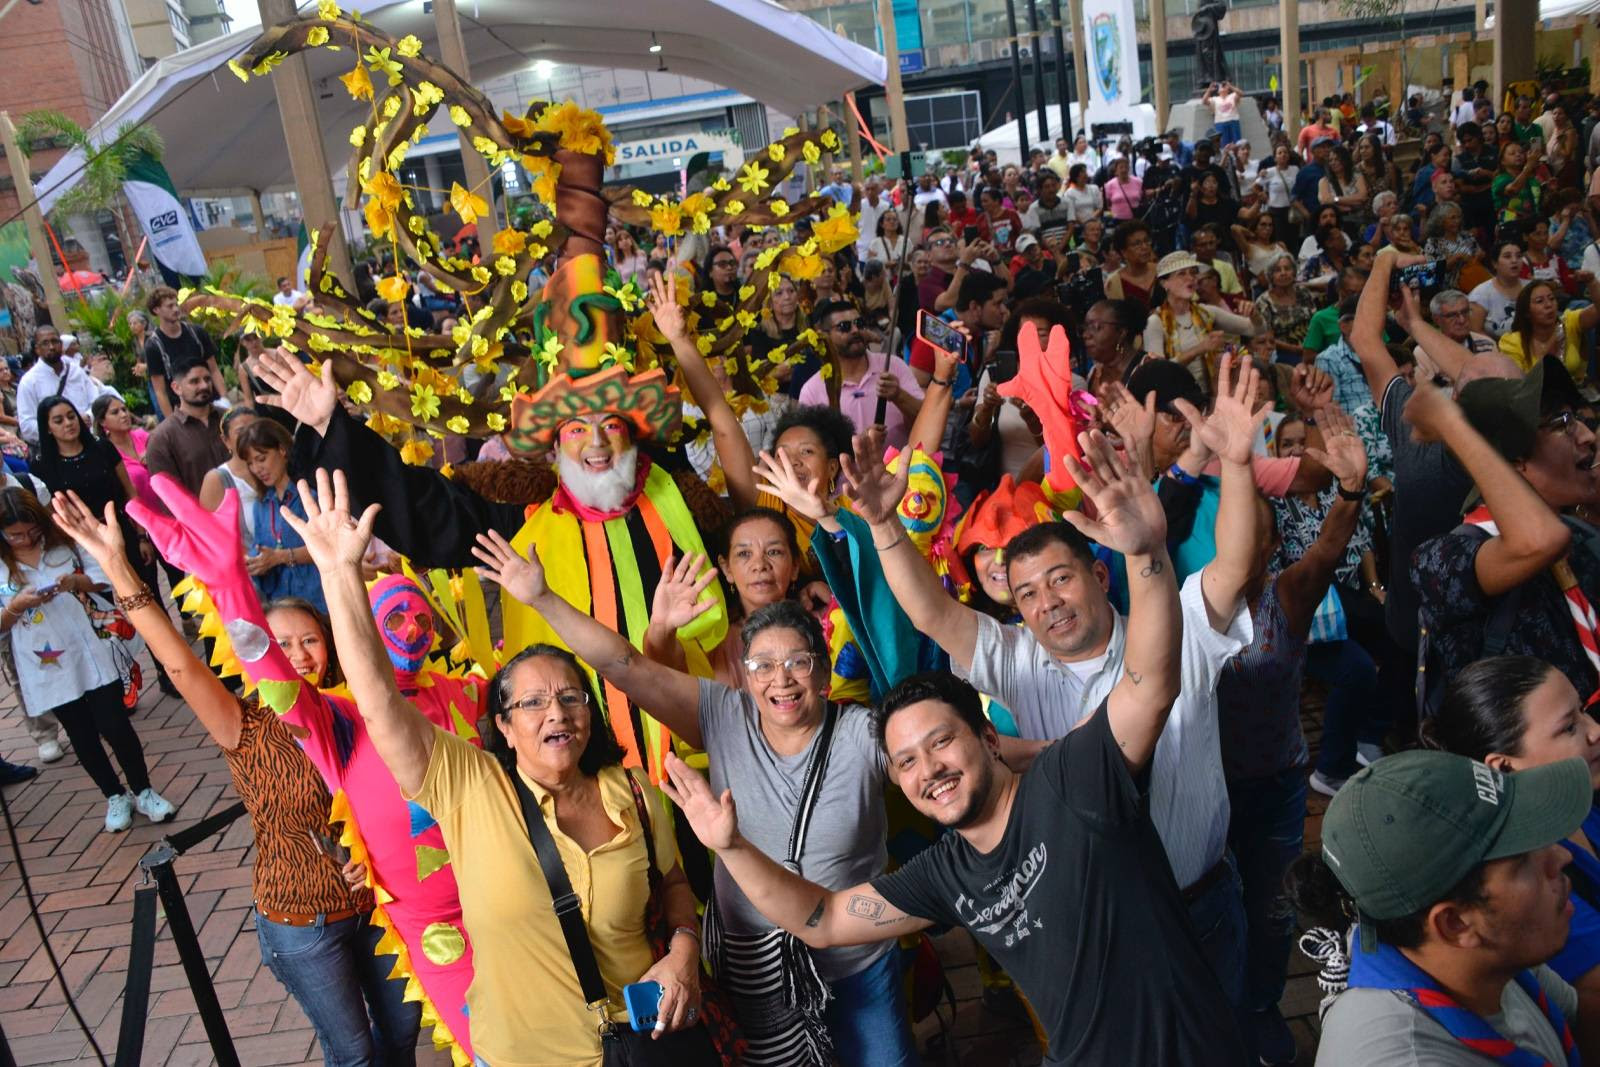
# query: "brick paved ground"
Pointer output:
{"type": "Point", "coordinates": [84, 879]}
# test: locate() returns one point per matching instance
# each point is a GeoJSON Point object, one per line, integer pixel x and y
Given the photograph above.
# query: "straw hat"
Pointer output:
{"type": "Point", "coordinates": [1173, 262]}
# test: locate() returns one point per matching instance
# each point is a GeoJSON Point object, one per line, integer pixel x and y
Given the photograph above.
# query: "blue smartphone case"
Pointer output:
{"type": "Point", "coordinates": [642, 999]}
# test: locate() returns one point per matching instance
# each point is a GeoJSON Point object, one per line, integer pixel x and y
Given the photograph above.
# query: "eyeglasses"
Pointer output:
{"type": "Point", "coordinates": [571, 699]}
{"type": "Point", "coordinates": [725, 263]}
{"type": "Point", "coordinates": [27, 535]}
{"type": "Point", "coordinates": [846, 325]}
{"type": "Point", "coordinates": [940, 242]}
{"type": "Point", "coordinates": [1562, 422]}
{"type": "Point", "coordinates": [799, 665]}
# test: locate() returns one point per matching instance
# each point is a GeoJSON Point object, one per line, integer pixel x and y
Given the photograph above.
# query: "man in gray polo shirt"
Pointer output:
{"type": "Point", "coordinates": [1055, 670]}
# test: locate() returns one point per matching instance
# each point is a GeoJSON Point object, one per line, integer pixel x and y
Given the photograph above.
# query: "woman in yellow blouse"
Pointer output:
{"type": "Point", "coordinates": [547, 734]}
{"type": "Point", "coordinates": [1540, 328]}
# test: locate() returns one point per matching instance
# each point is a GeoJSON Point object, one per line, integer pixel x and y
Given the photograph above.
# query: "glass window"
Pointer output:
{"type": "Point", "coordinates": [856, 21]}
{"type": "Point", "coordinates": [945, 22]}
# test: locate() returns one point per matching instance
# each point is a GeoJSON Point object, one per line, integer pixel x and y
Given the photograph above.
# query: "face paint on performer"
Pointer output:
{"type": "Point", "coordinates": [594, 442]}
{"type": "Point", "coordinates": [405, 622]}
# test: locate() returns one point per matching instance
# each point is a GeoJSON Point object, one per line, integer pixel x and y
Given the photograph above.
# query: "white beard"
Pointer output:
{"type": "Point", "coordinates": [603, 491]}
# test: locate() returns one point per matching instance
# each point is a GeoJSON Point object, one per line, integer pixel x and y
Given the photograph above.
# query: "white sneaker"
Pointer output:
{"type": "Point", "coordinates": [1368, 753]}
{"type": "Point", "coordinates": [1326, 786]}
{"type": "Point", "coordinates": [119, 813]}
{"type": "Point", "coordinates": [49, 751]}
{"type": "Point", "coordinates": [154, 806]}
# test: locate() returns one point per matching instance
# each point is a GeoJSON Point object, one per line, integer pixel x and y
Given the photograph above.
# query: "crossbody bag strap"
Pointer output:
{"type": "Point", "coordinates": [813, 786]}
{"type": "Point", "coordinates": [642, 806]}
{"type": "Point", "coordinates": [569, 911]}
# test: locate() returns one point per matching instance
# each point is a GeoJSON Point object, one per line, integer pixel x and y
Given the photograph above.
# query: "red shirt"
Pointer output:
{"type": "Point", "coordinates": [1003, 229]}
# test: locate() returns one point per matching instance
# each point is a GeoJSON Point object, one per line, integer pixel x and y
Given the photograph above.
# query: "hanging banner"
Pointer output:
{"type": "Point", "coordinates": [148, 188]}
{"type": "Point", "coordinates": [1112, 52]}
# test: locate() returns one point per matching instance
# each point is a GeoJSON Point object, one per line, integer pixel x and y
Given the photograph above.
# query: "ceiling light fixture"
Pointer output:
{"type": "Point", "coordinates": [655, 45]}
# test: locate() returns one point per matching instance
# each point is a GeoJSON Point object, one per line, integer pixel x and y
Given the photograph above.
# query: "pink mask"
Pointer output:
{"type": "Point", "coordinates": [405, 622]}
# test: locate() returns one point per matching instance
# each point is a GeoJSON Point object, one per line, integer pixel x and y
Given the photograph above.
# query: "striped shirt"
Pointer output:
{"type": "Point", "coordinates": [1188, 794]}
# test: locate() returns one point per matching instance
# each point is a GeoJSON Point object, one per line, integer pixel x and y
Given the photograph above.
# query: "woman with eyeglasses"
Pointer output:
{"type": "Point", "coordinates": [766, 741]}
{"type": "Point", "coordinates": [721, 279]}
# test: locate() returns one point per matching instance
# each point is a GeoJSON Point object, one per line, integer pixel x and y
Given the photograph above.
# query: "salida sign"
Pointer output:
{"type": "Point", "coordinates": [680, 146]}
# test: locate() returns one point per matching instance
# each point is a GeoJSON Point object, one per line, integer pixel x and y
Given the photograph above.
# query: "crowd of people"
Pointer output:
{"type": "Point", "coordinates": [1225, 424]}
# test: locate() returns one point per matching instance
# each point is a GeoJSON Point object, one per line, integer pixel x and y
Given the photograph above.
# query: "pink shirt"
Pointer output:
{"type": "Point", "coordinates": [139, 474]}
{"type": "Point", "coordinates": [858, 398]}
{"type": "Point", "coordinates": [1225, 107]}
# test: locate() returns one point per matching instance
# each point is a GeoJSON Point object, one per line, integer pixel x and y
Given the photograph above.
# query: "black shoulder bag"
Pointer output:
{"type": "Point", "coordinates": [621, 1046]}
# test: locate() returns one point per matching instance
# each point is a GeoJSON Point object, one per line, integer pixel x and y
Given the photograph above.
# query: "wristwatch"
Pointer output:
{"type": "Point", "coordinates": [1357, 495]}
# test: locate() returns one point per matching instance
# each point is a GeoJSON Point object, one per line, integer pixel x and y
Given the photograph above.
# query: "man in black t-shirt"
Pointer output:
{"type": "Point", "coordinates": [174, 346]}
{"type": "Point", "coordinates": [1058, 871]}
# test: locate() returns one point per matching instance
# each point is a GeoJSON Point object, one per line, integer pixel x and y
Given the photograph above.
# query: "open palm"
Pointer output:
{"type": "Point", "coordinates": [333, 538]}
{"type": "Point", "coordinates": [309, 399]}
{"type": "Point", "coordinates": [714, 819]}
{"type": "Point", "coordinates": [875, 494]}
{"type": "Point", "coordinates": [1129, 517]}
{"type": "Point", "coordinates": [521, 576]}
{"type": "Point", "coordinates": [679, 598]}
{"type": "Point", "coordinates": [1231, 428]}
{"type": "Point", "coordinates": [101, 539]}
{"type": "Point", "coordinates": [779, 477]}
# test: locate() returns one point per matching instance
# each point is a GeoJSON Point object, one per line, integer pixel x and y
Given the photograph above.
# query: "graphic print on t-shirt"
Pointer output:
{"type": "Point", "coordinates": [1006, 915]}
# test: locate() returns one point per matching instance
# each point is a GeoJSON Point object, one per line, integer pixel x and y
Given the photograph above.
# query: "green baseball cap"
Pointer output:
{"type": "Point", "coordinates": [1404, 831]}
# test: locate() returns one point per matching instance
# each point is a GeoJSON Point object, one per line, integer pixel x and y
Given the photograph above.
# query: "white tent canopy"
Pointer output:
{"type": "Point", "coordinates": [225, 136]}
{"type": "Point", "coordinates": [1007, 144]}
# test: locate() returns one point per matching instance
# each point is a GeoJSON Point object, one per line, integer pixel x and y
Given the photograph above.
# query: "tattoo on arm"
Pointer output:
{"type": "Point", "coordinates": [624, 659]}
{"type": "Point", "coordinates": [1134, 676]}
{"type": "Point", "coordinates": [1154, 568]}
{"type": "Point", "coordinates": [864, 907]}
{"type": "Point", "coordinates": [815, 918]}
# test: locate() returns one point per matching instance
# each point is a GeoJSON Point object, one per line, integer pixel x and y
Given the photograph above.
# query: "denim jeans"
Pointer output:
{"type": "Point", "coordinates": [1267, 832]}
{"type": "Point", "coordinates": [1353, 697]}
{"type": "Point", "coordinates": [1218, 917]}
{"type": "Point", "coordinates": [1229, 132]}
{"type": "Point", "coordinates": [868, 1017]}
{"type": "Point", "coordinates": [330, 970]}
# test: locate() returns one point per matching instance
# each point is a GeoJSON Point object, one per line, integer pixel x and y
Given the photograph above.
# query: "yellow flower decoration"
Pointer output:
{"type": "Point", "coordinates": [359, 392]}
{"type": "Point", "coordinates": [467, 204]}
{"type": "Point", "coordinates": [459, 116]}
{"type": "Point", "coordinates": [775, 153]}
{"type": "Point", "coordinates": [391, 106]}
{"type": "Point", "coordinates": [767, 255]}
{"type": "Point", "coordinates": [721, 185]}
{"type": "Point", "coordinates": [753, 178]}
{"type": "Point", "coordinates": [580, 130]}
{"type": "Point", "coordinates": [626, 295]}
{"type": "Point", "coordinates": [385, 189]}
{"type": "Point", "coordinates": [424, 402]}
{"type": "Point", "coordinates": [701, 223]}
{"type": "Point", "coordinates": [746, 319]}
{"type": "Point", "coordinates": [459, 333]}
{"type": "Point", "coordinates": [519, 290]}
{"type": "Point", "coordinates": [317, 36]}
{"type": "Point", "coordinates": [811, 153]}
{"type": "Point", "coordinates": [387, 380]}
{"type": "Point", "coordinates": [495, 421]}
{"type": "Point", "coordinates": [416, 452]}
{"type": "Point", "coordinates": [746, 292]}
{"type": "Point", "coordinates": [327, 10]}
{"type": "Point", "coordinates": [458, 424]}
{"type": "Point", "coordinates": [509, 242]}
{"type": "Point", "coordinates": [541, 228]}
{"type": "Point", "coordinates": [481, 275]}
{"type": "Point", "coordinates": [704, 342]}
{"type": "Point", "coordinates": [393, 288]}
{"type": "Point", "coordinates": [357, 83]}
{"type": "Point", "coordinates": [416, 224]}
{"type": "Point", "coordinates": [780, 208]}
{"type": "Point", "coordinates": [268, 62]}
{"type": "Point", "coordinates": [790, 131]}
{"type": "Point", "coordinates": [358, 136]}
{"type": "Point", "coordinates": [380, 220]}
{"type": "Point", "coordinates": [505, 266]}
{"type": "Point", "coordinates": [830, 140]}
{"type": "Point", "coordinates": [665, 219]}
{"type": "Point", "coordinates": [238, 69]}
{"type": "Point", "coordinates": [836, 231]}
{"type": "Point", "coordinates": [641, 198]}
{"type": "Point", "coordinates": [408, 46]}
{"type": "Point", "coordinates": [378, 59]}
{"type": "Point", "coordinates": [428, 94]}
{"type": "Point", "coordinates": [826, 370]}
{"type": "Point", "coordinates": [708, 298]}
{"type": "Point", "coordinates": [615, 354]}
{"type": "Point", "coordinates": [734, 207]}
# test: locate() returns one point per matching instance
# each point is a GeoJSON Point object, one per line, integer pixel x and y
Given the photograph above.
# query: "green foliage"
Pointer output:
{"type": "Point", "coordinates": [101, 323]}
{"type": "Point", "coordinates": [107, 164]}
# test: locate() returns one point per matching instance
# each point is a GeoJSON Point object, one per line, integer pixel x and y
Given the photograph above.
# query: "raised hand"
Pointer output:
{"type": "Point", "coordinates": [1429, 411]}
{"type": "Point", "coordinates": [1231, 428]}
{"type": "Point", "coordinates": [875, 494]}
{"type": "Point", "coordinates": [102, 540]}
{"type": "Point", "coordinates": [714, 820]}
{"type": "Point", "coordinates": [1310, 389]}
{"type": "Point", "coordinates": [1342, 453]}
{"type": "Point", "coordinates": [521, 576]}
{"type": "Point", "coordinates": [664, 309]}
{"type": "Point", "coordinates": [203, 543]}
{"type": "Point", "coordinates": [1131, 519]}
{"type": "Point", "coordinates": [679, 598]}
{"type": "Point", "coordinates": [332, 537]}
{"type": "Point", "coordinates": [309, 399]}
{"type": "Point", "coordinates": [1134, 422]}
{"type": "Point", "coordinates": [777, 475]}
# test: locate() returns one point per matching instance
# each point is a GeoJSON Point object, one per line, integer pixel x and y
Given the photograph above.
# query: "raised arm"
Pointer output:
{"type": "Point", "coordinates": [1303, 584]}
{"type": "Point", "coordinates": [875, 496]}
{"type": "Point", "coordinates": [819, 917]}
{"type": "Point", "coordinates": [1366, 334]}
{"type": "Point", "coordinates": [1131, 521]}
{"type": "Point", "coordinates": [401, 734]}
{"type": "Point", "coordinates": [738, 459]}
{"type": "Point", "coordinates": [1449, 356]}
{"type": "Point", "coordinates": [1230, 431]}
{"type": "Point", "coordinates": [1531, 536]}
{"type": "Point", "coordinates": [671, 696]}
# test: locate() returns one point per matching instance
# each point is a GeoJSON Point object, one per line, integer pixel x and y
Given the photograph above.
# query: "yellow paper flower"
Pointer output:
{"type": "Point", "coordinates": [836, 231]}
{"type": "Point", "coordinates": [428, 94]}
{"type": "Point", "coordinates": [495, 421]}
{"type": "Point", "coordinates": [378, 59]}
{"type": "Point", "coordinates": [458, 424]}
{"type": "Point", "coordinates": [238, 69]}
{"type": "Point", "coordinates": [830, 140]}
{"type": "Point", "coordinates": [317, 36]}
{"type": "Point", "coordinates": [779, 207]}
{"type": "Point", "coordinates": [416, 224]}
{"type": "Point", "coordinates": [746, 319]}
{"type": "Point", "coordinates": [393, 288]}
{"type": "Point", "coordinates": [391, 107]}
{"type": "Point", "coordinates": [380, 220]}
{"type": "Point", "coordinates": [753, 178]}
{"type": "Point", "coordinates": [695, 203]}
{"type": "Point", "coordinates": [581, 131]}
{"type": "Point", "coordinates": [481, 275]}
{"type": "Point", "coordinates": [416, 452]}
{"type": "Point", "coordinates": [409, 46]}
{"type": "Point", "coordinates": [327, 10]}
{"type": "Point", "coordinates": [357, 83]}
{"type": "Point", "coordinates": [766, 256]}
{"type": "Point", "coordinates": [626, 295]}
{"type": "Point", "coordinates": [505, 266]}
{"type": "Point", "coordinates": [424, 402]}
{"type": "Point", "coordinates": [704, 342]}
{"type": "Point", "coordinates": [811, 153]}
{"type": "Point", "coordinates": [268, 62]}
{"type": "Point", "coordinates": [459, 116]}
{"type": "Point", "coordinates": [701, 223]}
{"type": "Point", "coordinates": [708, 298]}
{"type": "Point", "coordinates": [641, 198]}
{"type": "Point", "coordinates": [615, 354]}
{"type": "Point", "coordinates": [467, 204]}
{"type": "Point", "coordinates": [790, 131]}
{"type": "Point", "coordinates": [746, 292]}
{"type": "Point", "coordinates": [384, 188]}
{"type": "Point", "coordinates": [826, 370]}
{"type": "Point", "coordinates": [358, 136]}
{"type": "Point", "coordinates": [387, 380]}
{"type": "Point", "coordinates": [459, 333]}
{"type": "Point", "coordinates": [509, 242]}
{"type": "Point", "coordinates": [541, 228]}
{"type": "Point", "coordinates": [359, 392]}
{"type": "Point", "coordinates": [665, 219]}
{"type": "Point", "coordinates": [734, 207]}
{"type": "Point", "coordinates": [775, 152]}
{"type": "Point", "coordinates": [519, 290]}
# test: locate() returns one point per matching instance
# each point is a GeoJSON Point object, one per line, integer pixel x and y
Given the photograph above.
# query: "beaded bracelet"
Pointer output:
{"type": "Point", "coordinates": [141, 599]}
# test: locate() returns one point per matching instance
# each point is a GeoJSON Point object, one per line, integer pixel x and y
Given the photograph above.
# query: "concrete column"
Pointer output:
{"type": "Point", "coordinates": [893, 91]}
{"type": "Point", "coordinates": [38, 243]}
{"type": "Point", "coordinates": [1158, 62]}
{"type": "Point", "coordinates": [1080, 63]}
{"type": "Point", "coordinates": [302, 133]}
{"type": "Point", "coordinates": [434, 176]}
{"type": "Point", "coordinates": [260, 215]}
{"type": "Point", "coordinates": [1513, 44]}
{"type": "Point", "coordinates": [1289, 45]}
{"type": "Point", "coordinates": [453, 51]}
{"type": "Point", "coordinates": [86, 232]}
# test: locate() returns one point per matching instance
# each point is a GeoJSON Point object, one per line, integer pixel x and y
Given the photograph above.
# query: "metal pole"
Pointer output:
{"type": "Point", "coordinates": [38, 243]}
{"type": "Point", "coordinates": [1063, 77]}
{"type": "Point", "coordinates": [1038, 72]}
{"type": "Point", "coordinates": [157, 863]}
{"type": "Point", "coordinates": [1016, 78]}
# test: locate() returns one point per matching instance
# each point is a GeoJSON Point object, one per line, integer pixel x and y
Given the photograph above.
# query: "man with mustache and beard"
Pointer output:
{"type": "Point", "coordinates": [1058, 870]}
{"type": "Point", "coordinates": [189, 443]}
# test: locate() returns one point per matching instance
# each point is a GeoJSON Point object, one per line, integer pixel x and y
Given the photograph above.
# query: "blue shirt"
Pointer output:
{"type": "Point", "coordinates": [270, 531]}
{"type": "Point", "coordinates": [842, 193]}
{"type": "Point", "coordinates": [1305, 187]}
{"type": "Point", "coordinates": [1581, 953]}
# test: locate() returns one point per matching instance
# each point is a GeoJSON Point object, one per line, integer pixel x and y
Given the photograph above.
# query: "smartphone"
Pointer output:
{"type": "Point", "coordinates": [969, 234]}
{"type": "Point", "coordinates": [328, 844]}
{"type": "Point", "coordinates": [1004, 367]}
{"type": "Point", "coordinates": [940, 334]}
{"type": "Point", "coordinates": [1416, 276]}
{"type": "Point", "coordinates": [48, 590]}
{"type": "Point", "coordinates": [643, 1001]}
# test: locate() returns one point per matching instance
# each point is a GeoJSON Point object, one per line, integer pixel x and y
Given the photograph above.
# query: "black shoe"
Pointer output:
{"type": "Point", "coordinates": [12, 773]}
{"type": "Point", "coordinates": [1274, 1040]}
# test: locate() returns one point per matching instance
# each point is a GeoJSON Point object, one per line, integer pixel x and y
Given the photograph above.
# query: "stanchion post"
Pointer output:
{"type": "Point", "coordinates": [157, 863]}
